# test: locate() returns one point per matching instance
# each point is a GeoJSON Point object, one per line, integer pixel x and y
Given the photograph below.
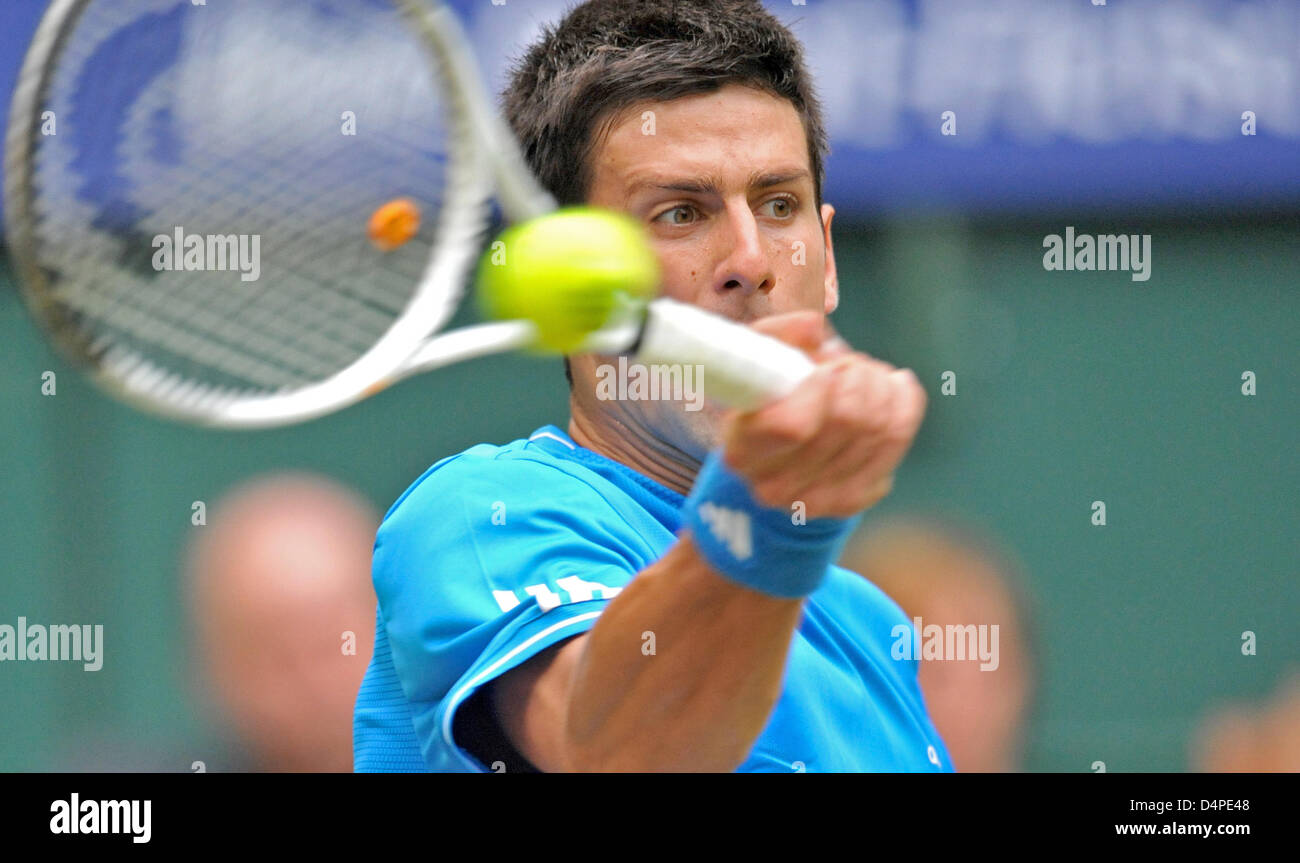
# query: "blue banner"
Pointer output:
{"type": "Point", "coordinates": [1005, 105]}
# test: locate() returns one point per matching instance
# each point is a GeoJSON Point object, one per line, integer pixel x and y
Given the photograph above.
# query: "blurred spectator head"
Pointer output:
{"type": "Point", "coordinates": [949, 576]}
{"type": "Point", "coordinates": [283, 611]}
{"type": "Point", "coordinates": [1251, 738]}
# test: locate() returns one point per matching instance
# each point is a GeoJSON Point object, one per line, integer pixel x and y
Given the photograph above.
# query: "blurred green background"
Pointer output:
{"type": "Point", "coordinates": [1071, 387]}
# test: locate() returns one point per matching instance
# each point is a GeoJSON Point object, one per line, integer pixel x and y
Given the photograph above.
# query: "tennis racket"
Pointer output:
{"type": "Point", "coordinates": [188, 187]}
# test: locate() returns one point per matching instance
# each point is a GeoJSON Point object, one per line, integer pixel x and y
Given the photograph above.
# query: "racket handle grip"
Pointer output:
{"type": "Point", "coordinates": [741, 368]}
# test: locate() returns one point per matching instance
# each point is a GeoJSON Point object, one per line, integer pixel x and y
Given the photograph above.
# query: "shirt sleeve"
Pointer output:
{"type": "Point", "coordinates": [484, 563]}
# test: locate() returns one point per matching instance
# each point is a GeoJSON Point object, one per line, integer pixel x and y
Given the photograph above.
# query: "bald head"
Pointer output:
{"type": "Point", "coordinates": [283, 616]}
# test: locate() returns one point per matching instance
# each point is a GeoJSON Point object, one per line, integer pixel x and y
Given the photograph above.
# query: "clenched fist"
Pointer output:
{"type": "Point", "coordinates": [836, 441]}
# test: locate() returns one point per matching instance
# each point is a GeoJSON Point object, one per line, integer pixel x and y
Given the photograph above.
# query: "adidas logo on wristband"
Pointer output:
{"type": "Point", "coordinates": [730, 527]}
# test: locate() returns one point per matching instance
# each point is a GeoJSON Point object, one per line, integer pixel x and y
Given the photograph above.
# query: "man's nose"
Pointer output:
{"type": "Point", "coordinates": [747, 268]}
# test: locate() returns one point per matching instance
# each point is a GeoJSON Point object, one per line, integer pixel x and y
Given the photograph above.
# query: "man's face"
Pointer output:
{"type": "Point", "coordinates": [723, 185]}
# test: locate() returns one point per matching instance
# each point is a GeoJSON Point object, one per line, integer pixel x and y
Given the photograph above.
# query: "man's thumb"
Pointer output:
{"type": "Point", "coordinates": [804, 329]}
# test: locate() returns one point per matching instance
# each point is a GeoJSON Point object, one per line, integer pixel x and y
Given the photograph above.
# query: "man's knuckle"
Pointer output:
{"type": "Point", "coordinates": [900, 431]}
{"type": "Point", "coordinates": [846, 418]}
{"type": "Point", "coordinates": [791, 429]}
{"type": "Point", "coordinates": [922, 400]}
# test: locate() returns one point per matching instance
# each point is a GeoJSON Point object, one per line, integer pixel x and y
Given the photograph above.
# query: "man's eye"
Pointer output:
{"type": "Point", "coordinates": [683, 215]}
{"type": "Point", "coordinates": [782, 208]}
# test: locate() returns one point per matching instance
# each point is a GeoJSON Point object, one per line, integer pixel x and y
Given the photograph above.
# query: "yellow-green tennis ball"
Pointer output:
{"type": "Point", "coordinates": [566, 272]}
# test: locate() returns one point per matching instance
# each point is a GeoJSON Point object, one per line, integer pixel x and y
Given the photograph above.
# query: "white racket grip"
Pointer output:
{"type": "Point", "coordinates": [740, 367]}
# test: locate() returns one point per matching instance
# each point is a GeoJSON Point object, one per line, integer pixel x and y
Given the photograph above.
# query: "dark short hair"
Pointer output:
{"type": "Point", "coordinates": [608, 55]}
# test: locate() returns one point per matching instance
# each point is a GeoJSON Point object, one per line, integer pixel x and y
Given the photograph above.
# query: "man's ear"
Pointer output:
{"type": "Point", "coordinates": [832, 282]}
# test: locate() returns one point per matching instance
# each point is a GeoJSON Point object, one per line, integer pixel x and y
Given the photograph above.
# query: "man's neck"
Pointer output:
{"type": "Point", "coordinates": [633, 446]}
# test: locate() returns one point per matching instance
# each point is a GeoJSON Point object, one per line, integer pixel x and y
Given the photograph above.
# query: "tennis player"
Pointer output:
{"type": "Point", "coordinates": [653, 588]}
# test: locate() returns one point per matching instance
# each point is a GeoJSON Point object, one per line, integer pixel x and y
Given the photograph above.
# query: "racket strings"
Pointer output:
{"type": "Point", "coordinates": [338, 325]}
{"type": "Point", "coordinates": [240, 138]}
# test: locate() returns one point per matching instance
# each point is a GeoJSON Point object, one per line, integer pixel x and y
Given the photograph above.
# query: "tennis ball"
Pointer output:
{"type": "Point", "coordinates": [394, 223]}
{"type": "Point", "coordinates": [567, 272]}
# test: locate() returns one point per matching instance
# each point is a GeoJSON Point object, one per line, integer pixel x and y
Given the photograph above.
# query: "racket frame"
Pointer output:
{"type": "Point", "coordinates": [404, 349]}
{"type": "Point", "coordinates": [484, 163]}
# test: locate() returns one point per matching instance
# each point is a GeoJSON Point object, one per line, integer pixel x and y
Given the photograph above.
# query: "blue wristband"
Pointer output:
{"type": "Point", "coordinates": [761, 548]}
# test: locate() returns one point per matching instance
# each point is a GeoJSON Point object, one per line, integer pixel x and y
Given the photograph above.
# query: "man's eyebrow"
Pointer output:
{"type": "Point", "coordinates": [711, 186]}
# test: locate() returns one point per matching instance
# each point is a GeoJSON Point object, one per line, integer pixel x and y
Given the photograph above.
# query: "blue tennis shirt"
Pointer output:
{"type": "Point", "coordinates": [497, 553]}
